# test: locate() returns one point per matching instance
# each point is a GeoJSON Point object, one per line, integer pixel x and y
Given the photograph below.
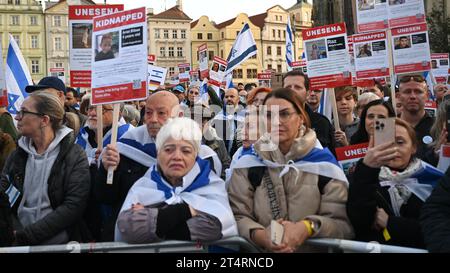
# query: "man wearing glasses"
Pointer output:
{"type": "Point", "coordinates": [413, 93]}
{"type": "Point", "coordinates": [313, 99]}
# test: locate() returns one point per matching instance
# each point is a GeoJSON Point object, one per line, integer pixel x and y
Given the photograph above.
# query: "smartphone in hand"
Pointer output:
{"type": "Point", "coordinates": [277, 232]}
{"type": "Point", "coordinates": [384, 131]}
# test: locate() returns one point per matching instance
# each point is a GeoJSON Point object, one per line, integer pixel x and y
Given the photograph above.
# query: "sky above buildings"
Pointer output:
{"type": "Point", "coordinates": [217, 10]}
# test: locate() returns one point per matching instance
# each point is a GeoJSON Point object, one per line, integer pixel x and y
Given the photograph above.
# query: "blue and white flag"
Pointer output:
{"type": "Point", "coordinates": [204, 97]}
{"type": "Point", "coordinates": [17, 77]}
{"type": "Point", "coordinates": [229, 81]}
{"type": "Point", "coordinates": [289, 46]}
{"type": "Point", "coordinates": [201, 189]}
{"type": "Point", "coordinates": [244, 47]}
{"type": "Point", "coordinates": [325, 106]}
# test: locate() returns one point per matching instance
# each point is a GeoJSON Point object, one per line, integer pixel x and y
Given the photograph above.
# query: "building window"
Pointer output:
{"type": "Point", "coordinates": [273, 33]}
{"type": "Point", "coordinates": [15, 20]}
{"type": "Point", "coordinates": [166, 34]}
{"type": "Point", "coordinates": [162, 51]}
{"type": "Point", "coordinates": [237, 33]}
{"type": "Point", "coordinates": [17, 39]}
{"type": "Point", "coordinates": [58, 43]}
{"type": "Point", "coordinates": [210, 55]}
{"type": "Point", "coordinates": [279, 33]}
{"type": "Point", "coordinates": [252, 73]}
{"type": "Point", "coordinates": [237, 74]}
{"type": "Point", "coordinates": [57, 21]}
{"type": "Point", "coordinates": [34, 41]}
{"type": "Point", "coordinates": [10, 2]}
{"type": "Point", "coordinates": [284, 34]}
{"type": "Point", "coordinates": [17, 2]}
{"type": "Point", "coordinates": [276, 17]}
{"type": "Point", "coordinates": [221, 53]}
{"type": "Point", "coordinates": [171, 71]}
{"type": "Point", "coordinates": [253, 57]}
{"type": "Point", "coordinates": [35, 67]}
{"type": "Point", "coordinates": [269, 67]}
{"type": "Point", "coordinates": [175, 34]}
{"type": "Point", "coordinates": [33, 20]}
{"type": "Point", "coordinates": [179, 51]}
{"type": "Point", "coordinates": [157, 33]}
{"type": "Point", "coordinates": [281, 18]}
{"type": "Point", "coordinates": [269, 50]}
{"type": "Point", "coordinates": [171, 52]}
{"type": "Point", "coordinates": [183, 34]}
{"type": "Point", "coordinates": [58, 65]}
{"type": "Point", "coordinates": [279, 68]}
{"type": "Point", "coordinates": [200, 36]}
{"type": "Point", "coordinates": [209, 36]}
{"type": "Point", "coordinates": [223, 35]}
{"type": "Point", "coordinates": [278, 50]}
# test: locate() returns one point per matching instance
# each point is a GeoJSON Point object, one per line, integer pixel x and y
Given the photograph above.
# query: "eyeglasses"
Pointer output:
{"type": "Point", "coordinates": [104, 110]}
{"type": "Point", "coordinates": [23, 112]}
{"type": "Point", "coordinates": [416, 78]}
{"type": "Point", "coordinates": [283, 116]}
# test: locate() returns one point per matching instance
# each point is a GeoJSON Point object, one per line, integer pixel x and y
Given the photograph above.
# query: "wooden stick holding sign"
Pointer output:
{"type": "Point", "coordinates": [99, 114]}
{"type": "Point", "coordinates": [391, 71]}
{"type": "Point", "coordinates": [332, 97]}
{"type": "Point", "coordinates": [114, 128]}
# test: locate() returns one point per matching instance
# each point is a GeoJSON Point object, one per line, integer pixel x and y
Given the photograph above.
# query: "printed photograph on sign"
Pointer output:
{"type": "Point", "coordinates": [107, 46]}
{"type": "Point", "coordinates": [81, 35]}
{"type": "Point", "coordinates": [364, 50]}
{"type": "Point", "coordinates": [396, 2]}
{"type": "Point", "coordinates": [402, 42]}
{"type": "Point", "coordinates": [316, 50]}
{"type": "Point", "coordinates": [366, 4]}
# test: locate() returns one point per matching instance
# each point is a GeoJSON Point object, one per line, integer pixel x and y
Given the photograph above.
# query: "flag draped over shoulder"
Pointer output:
{"type": "Point", "coordinates": [17, 77]}
{"type": "Point", "coordinates": [289, 47]}
{"type": "Point", "coordinates": [243, 48]}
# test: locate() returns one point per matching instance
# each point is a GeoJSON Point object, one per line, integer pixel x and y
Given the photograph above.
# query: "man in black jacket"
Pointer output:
{"type": "Point", "coordinates": [435, 217]}
{"type": "Point", "coordinates": [299, 82]}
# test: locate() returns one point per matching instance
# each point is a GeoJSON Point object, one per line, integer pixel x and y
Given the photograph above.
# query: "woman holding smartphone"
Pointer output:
{"type": "Point", "coordinates": [389, 187]}
{"type": "Point", "coordinates": [289, 178]}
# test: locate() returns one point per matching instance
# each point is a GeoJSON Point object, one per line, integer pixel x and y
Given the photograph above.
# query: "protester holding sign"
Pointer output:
{"type": "Point", "coordinates": [389, 188]}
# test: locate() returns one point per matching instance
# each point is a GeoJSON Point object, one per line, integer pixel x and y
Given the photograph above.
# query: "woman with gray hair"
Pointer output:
{"type": "Point", "coordinates": [47, 175]}
{"type": "Point", "coordinates": [180, 198]}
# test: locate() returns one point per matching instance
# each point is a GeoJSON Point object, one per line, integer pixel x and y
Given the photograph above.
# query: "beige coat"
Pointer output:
{"type": "Point", "coordinates": [298, 200]}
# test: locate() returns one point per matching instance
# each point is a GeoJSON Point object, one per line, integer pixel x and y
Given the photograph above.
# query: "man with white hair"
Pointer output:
{"type": "Point", "coordinates": [136, 152]}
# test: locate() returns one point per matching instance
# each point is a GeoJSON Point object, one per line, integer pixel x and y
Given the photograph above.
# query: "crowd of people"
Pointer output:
{"type": "Point", "coordinates": [190, 168]}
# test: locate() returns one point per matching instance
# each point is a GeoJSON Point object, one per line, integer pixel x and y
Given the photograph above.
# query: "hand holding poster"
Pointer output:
{"type": "Point", "coordinates": [119, 68]}
{"type": "Point", "coordinates": [156, 77]}
{"type": "Point", "coordinates": [430, 108]}
{"type": "Point", "coordinates": [371, 55]}
{"type": "Point", "coordinates": [411, 50]}
{"type": "Point", "coordinates": [217, 72]}
{"type": "Point", "coordinates": [203, 60]}
{"type": "Point", "coordinates": [439, 66]}
{"type": "Point", "coordinates": [348, 156]}
{"type": "Point", "coordinates": [183, 72]}
{"type": "Point", "coordinates": [327, 57]}
{"type": "Point", "coordinates": [372, 15]}
{"type": "Point", "coordinates": [80, 40]}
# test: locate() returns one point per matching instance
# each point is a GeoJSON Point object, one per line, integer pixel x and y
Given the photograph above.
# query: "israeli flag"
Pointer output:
{"type": "Point", "coordinates": [229, 81]}
{"type": "Point", "coordinates": [17, 77]}
{"type": "Point", "coordinates": [289, 46]}
{"type": "Point", "coordinates": [204, 97]}
{"type": "Point", "coordinates": [244, 47]}
{"type": "Point", "coordinates": [325, 106]}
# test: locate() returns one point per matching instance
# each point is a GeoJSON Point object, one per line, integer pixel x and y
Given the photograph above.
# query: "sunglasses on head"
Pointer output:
{"type": "Point", "coordinates": [416, 78]}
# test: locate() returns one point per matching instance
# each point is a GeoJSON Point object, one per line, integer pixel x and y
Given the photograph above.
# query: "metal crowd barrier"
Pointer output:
{"type": "Point", "coordinates": [236, 244]}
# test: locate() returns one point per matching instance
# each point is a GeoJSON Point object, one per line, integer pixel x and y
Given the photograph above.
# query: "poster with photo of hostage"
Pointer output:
{"type": "Point", "coordinates": [183, 72]}
{"type": "Point", "coordinates": [439, 66]}
{"type": "Point", "coordinates": [265, 79]}
{"type": "Point", "coordinates": [81, 40]}
{"type": "Point", "coordinates": [217, 72]}
{"type": "Point", "coordinates": [411, 50]}
{"type": "Point", "coordinates": [371, 55]}
{"type": "Point", "coordinates": [349, 156]}
{"type": "Point", "coordinates": [119, 66]}
{"type": "Point", "coordinates": [327, 57]}
{"type": "Point", "coordinates": [372, 15]}
{"type": "Point", "coordinates": [203, 60]}
{"type": "Point", "coordinates": [405, 13]}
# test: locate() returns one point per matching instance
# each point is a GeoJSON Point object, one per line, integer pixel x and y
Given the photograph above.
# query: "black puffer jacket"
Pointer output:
{"type": "Point", "coordinates": [68, 191]}
{"type": "Point", "coordinates": [435, 217]}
